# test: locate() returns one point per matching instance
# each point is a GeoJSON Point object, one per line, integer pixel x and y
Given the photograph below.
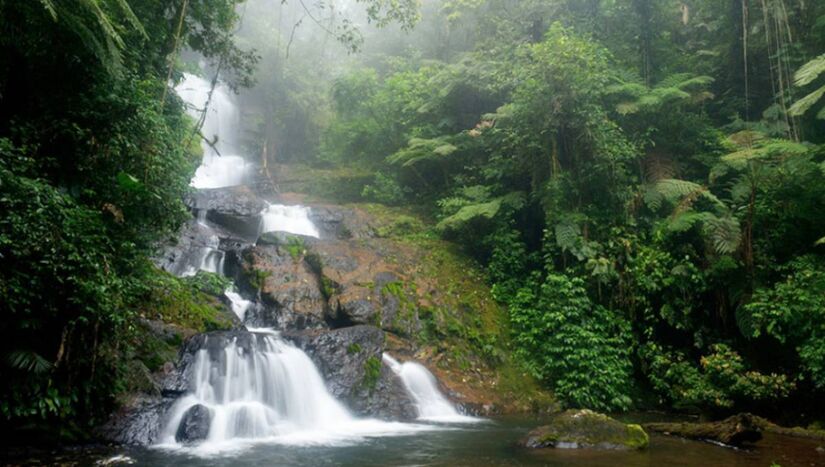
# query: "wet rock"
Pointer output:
{"type": "Point", "coordinates": [350, 360]}
{"type": "Point", "coordinates": [137, 422]}
{"type": "Point", "coordinates": [577, 429]}
{"type": "Point", "coordinates": [290, 291]}
{"type": "Point", "coordinates": [194, 426]}
{"type": "Point", "coordinates": [237, 209]}
{"type": "Point", "coordinates": [335, 222]}
{"type": "Point", "coordinates": [733, 431]}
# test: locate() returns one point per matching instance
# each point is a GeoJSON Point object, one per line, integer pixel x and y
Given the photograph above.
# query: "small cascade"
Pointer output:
{"type": "Point", "coordinates": [239, 304]}
{"type": "Point", "coordinates": [262, 388]}
{"type": "Point", "coordinates": [222, 164]}
{"type": "Point", "coordinates": [423, 387]}
{"type": "Point", "coordinates": [289, 219]}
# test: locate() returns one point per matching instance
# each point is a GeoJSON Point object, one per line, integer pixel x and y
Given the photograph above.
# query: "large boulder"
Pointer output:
{"type": "Point", "coordinates": [350, 360]}
{"type": "Point", "coordinates": [237, 209]}
{"type": "Point", "coordinates": [586, 429]}
{"type": "Point", "coordinates": [733, 431]}
{"type": "Point", "coordinates": [194, 426]}
{"type": "Point", "coordinates": [138, 422]}
{"type": "Point", "coordinates": [291, 294]}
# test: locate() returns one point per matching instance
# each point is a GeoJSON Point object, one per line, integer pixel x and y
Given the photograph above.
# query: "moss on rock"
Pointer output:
{"type": "Point", "coordinates": [586, 429]}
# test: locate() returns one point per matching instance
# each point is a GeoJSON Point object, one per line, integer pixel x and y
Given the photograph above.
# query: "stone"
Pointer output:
{"type": "Point", "coordinates": [138, 422]}
{"type": "Point", "coordinates": [291, 295]}
{"type": "Point", "coordinates": [236, 209]}
{"type": "Point", "coordinates": [733, 431]}
{"type": "Point", "coordinates": [350, 360]}
{"type": "Point", "coordinates": [585, 429]}
{"type": "Point", "coordinates": [194, 426]}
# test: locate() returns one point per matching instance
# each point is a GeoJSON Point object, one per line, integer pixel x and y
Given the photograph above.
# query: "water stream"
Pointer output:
{"type": "Point", "coordinates": [252, 386]}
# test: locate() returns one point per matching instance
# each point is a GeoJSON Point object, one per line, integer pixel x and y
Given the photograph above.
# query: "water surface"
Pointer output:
{"type": "Point", "coordinates": [492, 444]}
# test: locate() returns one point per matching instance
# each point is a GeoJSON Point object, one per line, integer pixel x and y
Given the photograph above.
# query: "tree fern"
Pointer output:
{"type": "Point", "coordinates": [95, 22]}
{"type": "Point", "coordinates": [810, 71]}
{"type": "Point", "coordinates": [28, 361]}
{"type": "Point", "coordinates": [806, 75]}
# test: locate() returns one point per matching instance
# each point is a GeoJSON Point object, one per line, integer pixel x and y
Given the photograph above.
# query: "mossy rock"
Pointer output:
{"type": "Point", "coordinates": [575, 429]}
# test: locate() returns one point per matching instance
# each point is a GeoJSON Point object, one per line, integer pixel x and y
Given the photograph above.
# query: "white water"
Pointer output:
{"type": "Point", "coordinates": [239, 304]}
{"type": "Point", "coordinates": [423, 387]}
{"type": "Point", "coordinates": [290, 219]}
{"type": "Point", "coordinates": [222, 165]}
{"type": "Point", "coordinates": [272, 393]}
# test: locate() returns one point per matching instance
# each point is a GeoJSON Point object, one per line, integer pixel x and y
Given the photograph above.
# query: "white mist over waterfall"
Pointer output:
{"type": "Point", "coordinates": [290, 219]}
{"type": "Point", "coordinates": [222, 163]}
{"type": "Point", "coordinates": [423, 387]}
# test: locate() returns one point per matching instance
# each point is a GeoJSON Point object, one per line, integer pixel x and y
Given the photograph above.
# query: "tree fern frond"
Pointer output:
{"type": "Point", "coordinates": [28, 361]}
{"type": "Point", "coordinates": [567, 235]}
{"type": "Point", "coordinates": [725, 234]}
{"type": "Point", "coordinates": [810, 71]}
{"type": "Point", "coordinates": [685, 220]}
{"type": "Point", "coordinates": [50, 7]}
{"type": "Point", "coordinates": [804, 104]}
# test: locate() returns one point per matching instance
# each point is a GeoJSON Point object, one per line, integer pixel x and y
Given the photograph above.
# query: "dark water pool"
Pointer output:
{"type": "Point", "coordinates": [493, 444]}
{"type": "Point", "coordinates": [485, 444]}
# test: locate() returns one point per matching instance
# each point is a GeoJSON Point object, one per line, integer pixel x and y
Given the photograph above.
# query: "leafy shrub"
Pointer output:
{"type": "Point", "coordinates": [793, 313]}
{"type": "Point", "coordinates": [385, 190]}
{"type": "Point", "coordinates": [720, 380]}
{"type": "Point", "coordinates": [580, 348]}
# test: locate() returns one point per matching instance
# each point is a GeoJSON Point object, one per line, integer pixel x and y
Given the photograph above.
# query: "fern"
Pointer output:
{"type": "Point", "coordinates": [28, 361]}
{"type": "Point", "coordinates": [803, 105]}
{"type": "Point", "coordinates": [470, 213]}
{"type": "Point", "coordinates": [810, 71]}
{"type": "Point", "coordinates": [724, 233]}
{"type": "Point", "coordinates": [567, 235]}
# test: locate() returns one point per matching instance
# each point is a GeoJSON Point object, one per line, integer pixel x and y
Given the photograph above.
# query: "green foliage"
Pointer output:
{"type": "Point", "coordinates": [384, 189]}
{"type": "Point", "coordinates": [720, 380]}
{"type": "Point", "coordinates": [579, 347]}
{"type": "Point", "coordinates": [372, 372]}
{"type": "Point", "coordinates": [793, 313]}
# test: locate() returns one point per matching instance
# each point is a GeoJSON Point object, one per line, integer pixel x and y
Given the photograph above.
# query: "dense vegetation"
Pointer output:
{"type": "Point", "coordinates": [641, 179]}
{"type": "Point", "coordinates": [95, 157]}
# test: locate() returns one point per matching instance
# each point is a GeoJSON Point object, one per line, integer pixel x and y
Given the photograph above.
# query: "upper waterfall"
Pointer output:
{"type": "Point", "coordinates": [222, 163]}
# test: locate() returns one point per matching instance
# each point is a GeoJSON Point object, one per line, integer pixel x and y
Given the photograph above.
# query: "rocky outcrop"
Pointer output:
{"type": "Point", "coordinates": [733, 431]}
{"type": "Point", "coordinates": [580, 429]}
{"type": "Point", "coordinates": [290, 291]}
{"type": "Point", "coordinates": [236, 209]}
{"type": "Point", "coordinates": [137, 422]}
{"type": "Point", "coordinates": [350, 360]}
{"type": "Point", "coordinates": [194, 426]}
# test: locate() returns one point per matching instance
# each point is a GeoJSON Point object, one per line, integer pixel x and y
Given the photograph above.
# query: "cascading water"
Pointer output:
{"type": "Point", "coordinates": [259, 388]}
{"type": "Point", "coordinates": [423, 387]}
{"type": "Point", "coordinates": [251, 385]}
{"type": "Point", "coordinates": [222, 164]}
{"type": "Point", "coordinates": [239, 305]}
{"type": "Point", "coordinates": [290, 219]}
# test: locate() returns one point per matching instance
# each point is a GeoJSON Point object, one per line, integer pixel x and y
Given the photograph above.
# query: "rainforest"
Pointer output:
{"type": "Point", "coordinates": [412, 232]}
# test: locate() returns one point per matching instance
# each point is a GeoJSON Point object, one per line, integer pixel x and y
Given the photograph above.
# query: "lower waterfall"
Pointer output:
{"type": "Point", "coordinates": [423, 387]}
{"type": "Point", "coordinates": [260, 388]}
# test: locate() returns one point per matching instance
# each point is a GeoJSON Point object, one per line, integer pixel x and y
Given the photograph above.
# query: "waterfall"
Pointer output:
{"type": "Point", "coordinates": [290, 219]}
{"type": "Point", "coordinates": [423, 387]}
{"type": "Point", "coordinates": [222, 164]}
{"type": "Point", "coordinates": [251, 385]}
{"type": "Point", "coordinates": [259, 387]}
{"type": "Point", "coordinates": [239, 304]}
